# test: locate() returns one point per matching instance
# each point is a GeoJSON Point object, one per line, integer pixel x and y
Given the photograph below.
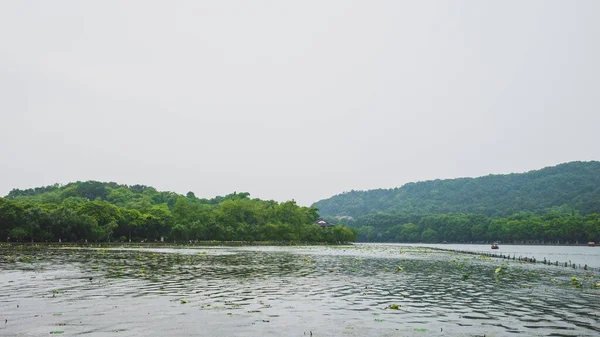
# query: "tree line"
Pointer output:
{"type": "Point", "coordinates": [556, 226]}
{"type": "Point", "coordinates": [100, 212]}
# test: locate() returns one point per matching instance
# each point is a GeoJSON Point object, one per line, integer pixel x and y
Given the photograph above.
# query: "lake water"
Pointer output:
{"type": "Point", "coordinates": [289, 291]}
{"type": "Point", "coordinates": [580, 255]}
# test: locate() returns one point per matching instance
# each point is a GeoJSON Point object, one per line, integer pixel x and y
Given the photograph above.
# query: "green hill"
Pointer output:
{"type": "Point", "coordinates": [574, 186]}
{"type": "Point", "coordinates": [99, 211]}
{"type": "Point", "coordinates": [559, 204]}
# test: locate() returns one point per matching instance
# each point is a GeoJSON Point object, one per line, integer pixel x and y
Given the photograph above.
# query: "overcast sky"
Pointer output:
{"type": "Point", "coordinates": [293, 99]}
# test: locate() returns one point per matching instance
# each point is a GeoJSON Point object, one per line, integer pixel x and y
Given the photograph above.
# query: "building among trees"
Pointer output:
{"type": "Point", "coordinates": [323, 223]}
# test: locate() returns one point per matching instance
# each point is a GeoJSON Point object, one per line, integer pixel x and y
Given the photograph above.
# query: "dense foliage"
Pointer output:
{"type": "Point", "coordinates": [98, 211]}
{"type": "Point", "coordinates": [555, 226]}
{"type": "Point", "coordinates": [574, 185]}
{"type": "Point", "coordinates": [554, 204]}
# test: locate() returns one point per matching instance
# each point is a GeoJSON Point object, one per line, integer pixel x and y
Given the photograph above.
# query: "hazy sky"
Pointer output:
{"type": "Point", "coordinates": [293, 99]}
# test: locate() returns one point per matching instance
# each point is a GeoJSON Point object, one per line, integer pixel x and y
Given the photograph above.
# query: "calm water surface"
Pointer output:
{"type": "Point", "coordinates": [288, 291]}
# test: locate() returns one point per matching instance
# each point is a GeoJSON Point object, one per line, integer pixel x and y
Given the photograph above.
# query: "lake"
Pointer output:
{"type": "Point", "coordinates": [576, 254]}
{"type": "Point", "coordinates": [361, 290]}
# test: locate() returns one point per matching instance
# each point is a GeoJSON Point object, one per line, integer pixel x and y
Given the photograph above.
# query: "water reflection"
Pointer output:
{"type": "Point", "coordinates": [270, 290]}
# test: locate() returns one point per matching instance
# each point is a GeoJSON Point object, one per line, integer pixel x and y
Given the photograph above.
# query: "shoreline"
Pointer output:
{"type": "Point", "coordinates": [487, 244]}
{"type": "Point", "coordinates": [173, 244]}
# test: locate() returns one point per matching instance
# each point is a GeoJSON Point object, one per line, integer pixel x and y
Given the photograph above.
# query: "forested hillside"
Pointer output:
{"type": "Point", "coordinates": [559, 204]}
{"type": "Point", "coordinates": [556, 204]}
{"type": "Point", "coordinates": [99, 211]}
{"type": "Point", "coordinates": [574, 185]}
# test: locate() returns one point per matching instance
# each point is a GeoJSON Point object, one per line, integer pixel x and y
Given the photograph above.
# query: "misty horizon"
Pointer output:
{"type": "Point", "coordinates": [341, 192]}
{"type": "Point", "coordinates": [293, 101]}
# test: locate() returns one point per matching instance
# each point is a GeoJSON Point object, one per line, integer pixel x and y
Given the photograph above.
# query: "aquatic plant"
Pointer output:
{"type": "Point", "coordinates": [394, 306]}
{"type": "Point", "coordinates": [25, 259]}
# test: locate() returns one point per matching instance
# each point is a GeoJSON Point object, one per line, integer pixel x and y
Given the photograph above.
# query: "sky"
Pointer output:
{"type": "Point", "coordinates": [293, 99]}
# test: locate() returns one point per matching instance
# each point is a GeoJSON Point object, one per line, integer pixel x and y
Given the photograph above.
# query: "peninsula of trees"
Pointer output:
{"type": "Point", "coordinates": [101, 212]}
{"type": "Point", "coordinates": [559, 204]}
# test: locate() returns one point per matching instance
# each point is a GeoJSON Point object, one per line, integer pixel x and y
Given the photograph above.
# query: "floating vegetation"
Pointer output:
{"type": "Point", "coordinates": [399, 269]}
{"type": "Point", "coordinates": [501, 270]}
{"type": "Point", "coordinates": [25, 259]}
{"type": "Point", "coordinates": [465, 276]}
{"type": "Point", "coordinates": [394, 306]}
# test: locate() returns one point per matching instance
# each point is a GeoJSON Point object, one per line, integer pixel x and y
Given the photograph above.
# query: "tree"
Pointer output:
{"type": "Point", "coordinates": [19, 233]}
{"type": "Point", "coordinates": [430, 236]}
{"type": "Point", "coordinates": [34, 217]}
{"type": "Point", "coordinates": [411, 232]}
{"type": "Point", "coordinates": [343, 234]}
{"type": "Point", "coordinates": [179, 232]}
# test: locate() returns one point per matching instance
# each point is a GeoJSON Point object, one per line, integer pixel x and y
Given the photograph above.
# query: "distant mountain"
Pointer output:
{"type": "Point", "coordinates": [573, 186]}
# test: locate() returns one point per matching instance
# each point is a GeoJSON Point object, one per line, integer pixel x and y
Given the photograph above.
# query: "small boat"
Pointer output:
{"type": "Point", "coordinates": [495, 246]}
{"type": "Point", "coordinates": [591, 244]}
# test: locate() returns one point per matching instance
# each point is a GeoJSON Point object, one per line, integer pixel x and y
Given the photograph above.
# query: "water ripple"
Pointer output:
{"type": "Point", "coordinates": [267, 290]}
